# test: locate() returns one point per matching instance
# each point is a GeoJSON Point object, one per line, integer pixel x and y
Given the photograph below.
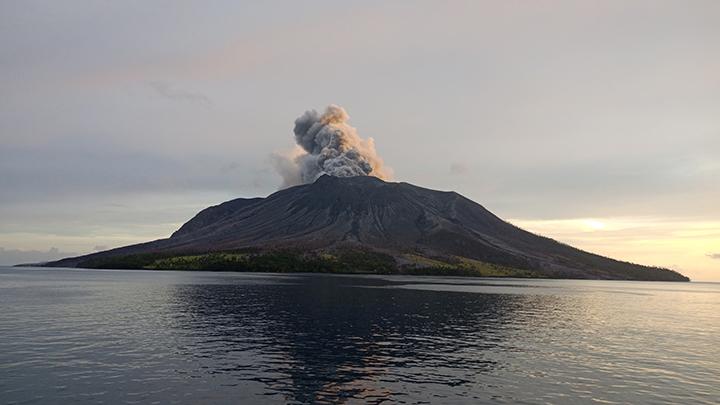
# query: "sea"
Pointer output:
{"type": "Point", "coordinates": [72, 336]}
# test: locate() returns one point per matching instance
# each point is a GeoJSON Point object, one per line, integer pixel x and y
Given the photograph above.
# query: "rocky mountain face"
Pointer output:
{"type": "Point", "coordinates": [398, 219]}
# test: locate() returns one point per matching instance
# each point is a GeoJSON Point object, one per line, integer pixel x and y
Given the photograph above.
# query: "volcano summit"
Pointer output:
{"type": "Point", "coordinates": [364, 224]}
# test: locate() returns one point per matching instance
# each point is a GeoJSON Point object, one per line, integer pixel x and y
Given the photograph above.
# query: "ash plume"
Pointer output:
{"type": "Point", "coordinates": [328, 145]}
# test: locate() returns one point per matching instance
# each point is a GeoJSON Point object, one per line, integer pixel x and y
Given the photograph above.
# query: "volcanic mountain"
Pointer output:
{"type": "Point", "coordinates": [337, 221]}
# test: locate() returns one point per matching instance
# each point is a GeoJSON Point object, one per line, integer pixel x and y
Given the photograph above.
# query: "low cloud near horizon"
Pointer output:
{"type": "Point", "coordinates": [714, 255]}
{"type": "Point", "coordinates": [11, 257]}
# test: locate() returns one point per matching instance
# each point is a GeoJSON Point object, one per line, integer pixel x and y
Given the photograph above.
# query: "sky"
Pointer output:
{"type": "Point", "coordinates": [593, 122]}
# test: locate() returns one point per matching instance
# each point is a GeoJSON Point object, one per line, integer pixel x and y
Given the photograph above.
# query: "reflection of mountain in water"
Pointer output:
{"type": "Point", "coordinates": [328, 339]}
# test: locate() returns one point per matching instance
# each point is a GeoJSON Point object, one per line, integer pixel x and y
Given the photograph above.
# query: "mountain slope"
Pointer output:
{"type": "Point", "coordinates": [368, 214]}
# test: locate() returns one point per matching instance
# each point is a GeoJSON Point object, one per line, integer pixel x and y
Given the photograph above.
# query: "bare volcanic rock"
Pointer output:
{"type": "Point", "coordinates": [365, 213]}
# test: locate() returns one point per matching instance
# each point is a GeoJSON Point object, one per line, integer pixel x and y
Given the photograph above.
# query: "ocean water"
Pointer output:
{"type": "Point", "coordinates": [140, 337]}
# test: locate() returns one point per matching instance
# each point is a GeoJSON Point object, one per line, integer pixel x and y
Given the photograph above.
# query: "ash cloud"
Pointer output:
{"type": "Point", "coordinates": [326, 144]}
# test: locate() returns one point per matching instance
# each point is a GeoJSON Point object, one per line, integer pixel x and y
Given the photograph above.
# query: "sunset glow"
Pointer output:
{"type": "Point", "coordinates": [680, 244]}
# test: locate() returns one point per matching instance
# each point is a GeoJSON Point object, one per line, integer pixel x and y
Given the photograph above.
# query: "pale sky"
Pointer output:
{"type": "Point", "coordinates": [593, 122]}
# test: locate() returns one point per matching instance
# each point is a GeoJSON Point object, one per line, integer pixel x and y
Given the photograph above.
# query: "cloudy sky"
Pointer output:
{"type": "Point", "coordinates": [594, 122]}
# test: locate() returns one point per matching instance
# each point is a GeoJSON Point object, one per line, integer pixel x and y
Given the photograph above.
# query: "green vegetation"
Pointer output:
{"type": "Point", "coordinates": [139, 261]}
{"type": "Point", "coordinates": [347, 261]}
{"type": "Point", "coordinates": [461, 266]}
{"type": "Point", "coordinates": [216, 261]}
{"type": "Point", "coordinates": [289, 261]}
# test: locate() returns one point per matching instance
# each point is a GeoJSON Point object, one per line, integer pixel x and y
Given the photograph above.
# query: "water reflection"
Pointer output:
{"type": "Point", "coordinates": [182, 337]}
{"type": "Point", "coordinates": [332, 339]}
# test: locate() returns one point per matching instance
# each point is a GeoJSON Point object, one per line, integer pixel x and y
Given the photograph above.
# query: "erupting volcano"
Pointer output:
{"type": "Point", "coordinates": [341, 215]}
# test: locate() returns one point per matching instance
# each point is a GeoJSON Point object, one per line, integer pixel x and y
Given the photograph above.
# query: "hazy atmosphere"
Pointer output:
{"type": "Point", "coordinates": [595, 123]}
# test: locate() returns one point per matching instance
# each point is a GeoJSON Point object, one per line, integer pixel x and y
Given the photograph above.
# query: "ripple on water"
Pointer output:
{"type": "Point", "coordinates": [173, 337]}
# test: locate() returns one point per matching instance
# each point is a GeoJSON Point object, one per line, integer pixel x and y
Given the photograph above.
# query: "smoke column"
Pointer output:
{"type": "Point", "coordinates": [328, 145]}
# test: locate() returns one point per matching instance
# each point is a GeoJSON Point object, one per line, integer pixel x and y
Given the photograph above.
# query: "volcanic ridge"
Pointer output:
{"type": "Point", "coordinates": [367, 225]}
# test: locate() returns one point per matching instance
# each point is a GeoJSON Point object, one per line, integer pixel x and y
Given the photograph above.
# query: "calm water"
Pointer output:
{"type": "Point", "coordinates": [87, 336]}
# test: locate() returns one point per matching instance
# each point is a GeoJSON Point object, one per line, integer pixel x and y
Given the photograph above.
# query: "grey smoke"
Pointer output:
{"type": "Point", "coordinates": [328, 145]}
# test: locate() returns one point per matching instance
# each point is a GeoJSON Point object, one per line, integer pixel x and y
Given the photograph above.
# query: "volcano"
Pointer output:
{"type": "Point", "coordinates": [384, 227]}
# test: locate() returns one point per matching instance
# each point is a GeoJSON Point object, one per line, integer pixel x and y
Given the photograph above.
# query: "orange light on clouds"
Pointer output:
{"type": "Point", "coordinates": [681, 244]}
